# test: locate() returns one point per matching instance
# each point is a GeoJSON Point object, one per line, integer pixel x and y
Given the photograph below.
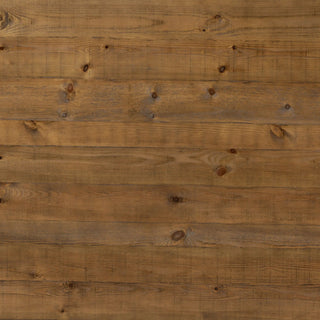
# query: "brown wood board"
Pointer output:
{"type": "Point", "coordinates": [159, 160]}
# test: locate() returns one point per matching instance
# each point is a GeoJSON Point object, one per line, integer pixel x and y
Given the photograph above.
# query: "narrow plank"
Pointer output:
{"type": "Point", "coordinates": [147, 203]}
{"type": "Point", "coordinates": [157, 134]}
{"type": "Point", "coordinates": [20, 299]}
{"type": "Point", "coordinates": [160, 234]}
{"type": "Point", "coordinates": [125, 316]}
{"type": "Point", "coordinates": [219, 19]}
{"type": "Point", "coordinates": [220, 266]}
{"type": "Point", "coordinates": [176, 101]}
{"type": "Point", "coordinates": [153, 59]}
{"type": "Point", "coordinates": [121, 316]}
{"type": "Point", "coordinates": [245, 168]}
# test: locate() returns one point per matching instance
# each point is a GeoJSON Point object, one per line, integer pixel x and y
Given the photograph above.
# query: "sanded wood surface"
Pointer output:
{"type": "Point", "coordinates": [159, 160]}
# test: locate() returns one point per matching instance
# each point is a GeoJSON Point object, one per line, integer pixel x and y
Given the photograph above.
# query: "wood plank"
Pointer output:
{"type": "Point", "coordinates": [160, 234]}
{"type": "Point", "coordinates": [177, 101]}
{"type": "Point", "coordinates": [157, 134]}
{"type": "Point", "coordinates": [246, 168]}
{"type": "Point", "coordinates": [221, 19]}
{"type": "Point", "coordinates": [121, 316]}
{"type": "Point", "coordinates": [167, 203]}
{"type": "Point", "coordinates": [21, 299]}
{"type": "Point", "coordinates": [154, 59]}
{"type": "Point", "coordinates": [220, 266]}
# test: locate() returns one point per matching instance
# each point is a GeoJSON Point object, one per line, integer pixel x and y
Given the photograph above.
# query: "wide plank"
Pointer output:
{"type": "Point", "coordinates": [20, 300]}
{"type": "Point", "coordinates": [242, 168]}
{"type": "Point", "coordinates": [174, 102]}
{"type": "Point", "coordinates": [160, 234]}
{"type": "Point", "coordinates": [221, 19]}
{"type": "Point", "coordinates": [157, 134]}
{"type": "Point", "coordinates": [218, 266]}
{"type": "Point", "coordinates": [166, 203]}
{"type": "Point", "coordinates": [153, 59]}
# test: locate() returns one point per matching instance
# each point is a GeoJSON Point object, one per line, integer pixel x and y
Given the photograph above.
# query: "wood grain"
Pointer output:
{"type": "Point", "coordinates": [154, 203]}
{"type": "Point", "coordinates": [76, 298]}
{"type": "Point", "coordinates": [159, 160]}
{"type": "Point", "coordinates": [176, 102]}
{"type": "Point", "coordinates": [246, 168]}
{"type": "Point", "coordinates": [164, 59]}
{"type": "Point", "coordinates": [218, 266]}
{"type": "Point", "coordinates": [160, 234]}
{"type": "Point", "coordinates": [229, 19]}
{"type": "Point", "coordinates": [157, 134]}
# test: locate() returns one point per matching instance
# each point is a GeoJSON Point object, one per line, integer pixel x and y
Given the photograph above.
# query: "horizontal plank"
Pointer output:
{"type": "Point", "coordinates": [153, 59]}
{"type": "Point", "coordinates": [288, 20]}
{"type": "Point", "coordinates": [176, 101]}
{"type": "Point", "coordinates": [157, 134]}
{"type": "Point", "coordinates": [147, 203]}
{"type": "Point", "coordinates": [220, 266]}
{"type": "Point", "coordinates": [70, 299]}
{"type": "Point", "coordinates": [245, 168]}
{"type": "Point", "coordinates": [117, 316]}
{"type": "Point", "coordinates": [160, 234]}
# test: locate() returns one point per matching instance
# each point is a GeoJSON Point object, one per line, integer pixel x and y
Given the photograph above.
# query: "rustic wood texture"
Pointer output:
{"type": "Point", "coordinates": [177, 101]}
{"type": "Point", "coordinates": [159, 160]}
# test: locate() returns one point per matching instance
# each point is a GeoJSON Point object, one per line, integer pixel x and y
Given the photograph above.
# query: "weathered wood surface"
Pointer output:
{"type": "Point", "coordinates": [224, 19]}
{"type": "Point", "coordinates": [176, 101]}
{"type": "Point", "coordinates": [157, 134]}
{"type": "Point", "coordinates": [161, 166]}
{"type": "Point", "coordinates": [178, 41]}
{"type": "Point", "coordinates": [159, 160]}
{"type": "Point", "coordinates": [160, 234]}
{"type": "Point", "coordinates": [154, 203]}
{"type": "Point", "coordinates": [63, 298]}
{"type": "Point", "coordinates": [218, 266]}
{"type": "Point", "coordinates": [160, 59]}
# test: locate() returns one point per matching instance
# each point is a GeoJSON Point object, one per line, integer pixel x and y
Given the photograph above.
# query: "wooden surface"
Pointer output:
{"type": "Point", "coordinates": [160, 160]}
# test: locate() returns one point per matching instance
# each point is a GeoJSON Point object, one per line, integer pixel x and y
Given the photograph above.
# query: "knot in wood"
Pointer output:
{"type": "Point", "coordinates": [221, 170]}
{"type": "Point", "coordinates": [175, 199]}
{"type": "Point", "coordinates": [4, 19]}
{"type": "Point", "coordinates": [178, 235]}
{"type": "Point", "coordinates": [211, 91]}
{"type": "Point", "coordinates": [31, 125]}
{"type": "Point", "coordinates": [277, 131]}
{"type": "Point", "coordinates": [70, 87]}
{"type": "Point", "coordinates": [222, 69]}
{"type": "Point", "coordinates": [85, 68]}
{"type": "Point", "coordinates": [70, 285]}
